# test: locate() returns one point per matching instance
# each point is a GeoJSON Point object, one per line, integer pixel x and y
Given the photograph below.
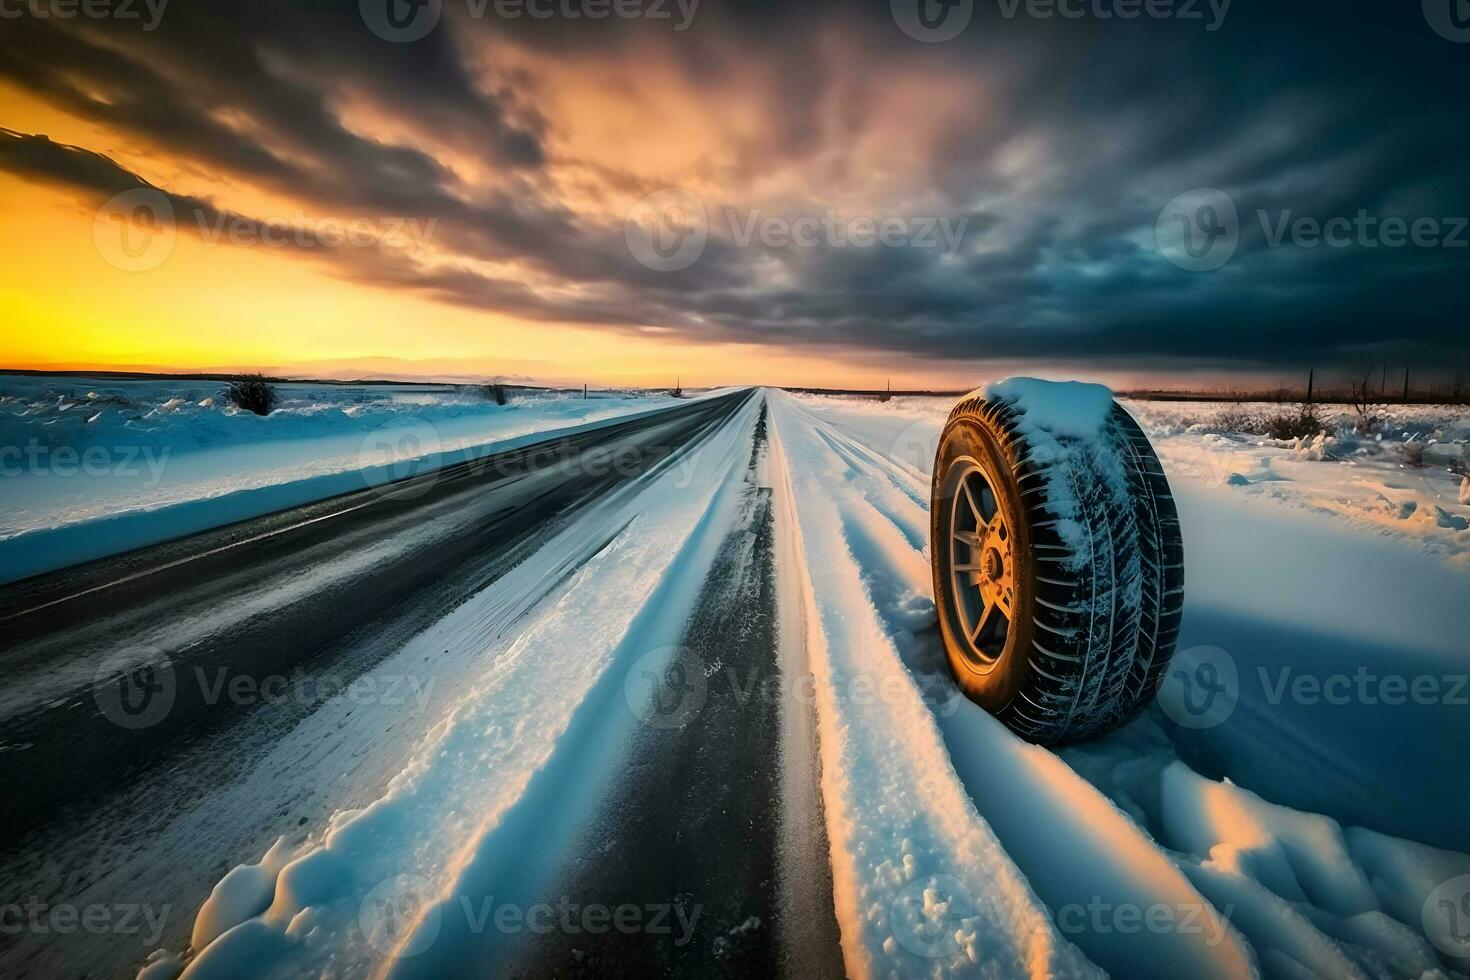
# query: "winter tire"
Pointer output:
{"type": "Point", "coordinates": [1058, 567]}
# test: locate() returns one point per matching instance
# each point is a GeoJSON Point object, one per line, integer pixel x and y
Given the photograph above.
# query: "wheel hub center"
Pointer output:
{"type": "Point", "coordinates": [991, 566]}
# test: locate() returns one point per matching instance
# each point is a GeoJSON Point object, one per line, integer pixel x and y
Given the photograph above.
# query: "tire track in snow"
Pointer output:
{"type": "Point", "coordinates": [697, 816]}
{"type": "Point", "coordinates": [1078, 851]}
{"type": "Point", "coordinates": [1217, 844]}
{"type": "Point", "coordinates": [515, 860]}
{"type": "Point", "coordinates": [922, 886]}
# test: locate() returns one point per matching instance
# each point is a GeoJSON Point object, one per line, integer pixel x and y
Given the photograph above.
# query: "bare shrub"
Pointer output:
{"type": "Point", "coordinates": [1237, 419]}
{"type": "Point", "coordinates": [1365, 412]}
{"type": "Point", "coordinates": [494, 393]}
{"type": "Point", "coordinates": [252, 393]}
{"type": "Point", "coordinates": [1304, 420]}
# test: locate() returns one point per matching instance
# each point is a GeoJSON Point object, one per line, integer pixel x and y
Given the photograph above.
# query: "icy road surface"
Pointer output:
{"type": "Point", "coordinates": [693, 720]}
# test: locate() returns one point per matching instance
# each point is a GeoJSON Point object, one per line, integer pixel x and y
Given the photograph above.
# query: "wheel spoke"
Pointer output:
{"type": "Point", "coordinates": [987, 500]}
{"type": "Point", "coordinates": [974, 508]}
{"type": "Point", "coordinates": [986, 618]}
{"type": "Point", "coordinates": [980, 621]}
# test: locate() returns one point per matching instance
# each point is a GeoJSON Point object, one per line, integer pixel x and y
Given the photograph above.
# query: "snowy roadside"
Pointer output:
{"type": "Point", "coordinates": [93, 468]}
{"type": "Point", "coordinates": [1294, 831]}
{"type": "Point", "coordinates": [1407, 478]}
{"type": "Point", "coordinates": [922, 886]}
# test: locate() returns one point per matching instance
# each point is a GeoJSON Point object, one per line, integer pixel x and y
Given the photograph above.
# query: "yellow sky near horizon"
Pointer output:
{"type": "Point", "coordinates": [218, 306]}
{"type": "Point", "coordinates": [62, 304]}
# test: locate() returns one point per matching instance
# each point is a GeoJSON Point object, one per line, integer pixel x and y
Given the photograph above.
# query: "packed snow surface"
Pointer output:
{"type": "Point", "coordinates": [1291, 806]}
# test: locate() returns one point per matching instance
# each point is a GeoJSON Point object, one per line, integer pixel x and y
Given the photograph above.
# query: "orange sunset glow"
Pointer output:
{"type": "Point", "coordinates": [497, 168]}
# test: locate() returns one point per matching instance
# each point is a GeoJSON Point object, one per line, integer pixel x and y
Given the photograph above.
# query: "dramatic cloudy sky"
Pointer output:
{"type": "Point", "coordinates": [497, 171]}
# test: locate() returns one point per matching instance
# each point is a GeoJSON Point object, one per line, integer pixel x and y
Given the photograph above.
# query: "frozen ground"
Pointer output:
{"type": "Point", "coordinates": [1408, 477]}
{"type": "Point", "coordinates": [1302, 823]}
{"type": "Point", "coordinates": [1291, 807]}
{"type": "Point", "coordinates": [94, 467]}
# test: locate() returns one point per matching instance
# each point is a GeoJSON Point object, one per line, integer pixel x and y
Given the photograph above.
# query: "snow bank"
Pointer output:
{"type": "Point", "coordinates": [92, 470]}
{"type": "Point", "coordinates": [242, 894]}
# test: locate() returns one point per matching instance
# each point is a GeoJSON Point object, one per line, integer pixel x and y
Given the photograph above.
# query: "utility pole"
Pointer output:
{"type": "Point", "coordinates": [1406, 384]}
{"type": "Point", "coordinates": [1311, 377]}
{"type": "Point", "coordinates": [584, 391]}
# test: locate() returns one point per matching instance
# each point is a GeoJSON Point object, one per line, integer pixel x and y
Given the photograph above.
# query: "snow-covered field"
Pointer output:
{"type": "Point", "coordinates": [1310, 823]}
{"type": "Point", "coordinates": [1421, 493]}
{"type": "Point", "coordinates": [1291, 807]}
{"type": "Point", "coordinates": [92, 467]}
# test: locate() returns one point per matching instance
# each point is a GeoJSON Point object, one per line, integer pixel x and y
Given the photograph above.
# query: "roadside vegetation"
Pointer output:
{"type": "Point", "coordinates": [252, 393]}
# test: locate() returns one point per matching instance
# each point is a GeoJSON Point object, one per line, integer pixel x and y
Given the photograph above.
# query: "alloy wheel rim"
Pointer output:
{"type": "Point", "coordinates": [982, 566]}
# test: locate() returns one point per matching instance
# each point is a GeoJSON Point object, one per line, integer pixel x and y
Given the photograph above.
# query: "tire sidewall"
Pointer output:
{"type": "Point", "coordinates": [994, 686]}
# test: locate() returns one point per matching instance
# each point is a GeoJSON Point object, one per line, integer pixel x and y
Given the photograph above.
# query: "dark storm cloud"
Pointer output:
{"type": "Point", "coordinates": [1061, 140]}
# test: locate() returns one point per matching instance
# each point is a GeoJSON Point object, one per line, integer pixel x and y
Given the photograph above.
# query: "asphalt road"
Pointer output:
{"type": "Point", "coordinates": [134, 685]}
{"type": "Point", "coordinates": [704, 818]}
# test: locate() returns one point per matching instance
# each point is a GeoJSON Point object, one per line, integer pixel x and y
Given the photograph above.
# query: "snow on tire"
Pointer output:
{"type": "Point", "coordinates": [1057, 557]}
